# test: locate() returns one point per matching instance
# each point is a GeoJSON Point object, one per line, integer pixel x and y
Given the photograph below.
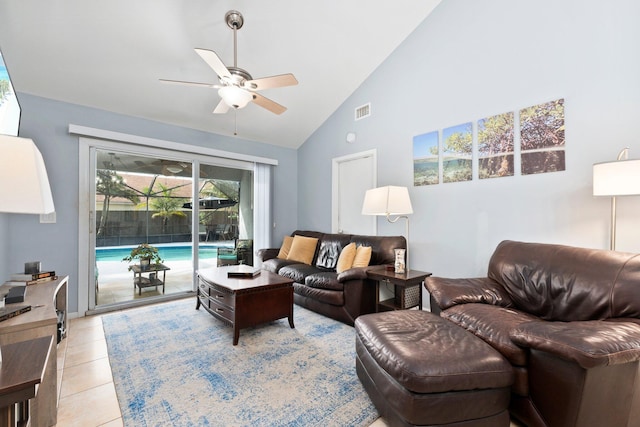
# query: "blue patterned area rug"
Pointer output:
{"type": "Point", "coordinates": [175, 366]}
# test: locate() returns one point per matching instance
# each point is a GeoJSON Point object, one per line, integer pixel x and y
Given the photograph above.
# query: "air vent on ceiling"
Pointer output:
{"type": "Point", "coordinates": [363, 111]}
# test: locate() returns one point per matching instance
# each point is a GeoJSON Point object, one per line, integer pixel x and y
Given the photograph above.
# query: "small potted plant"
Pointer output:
{"type": "Point", "coordinates": [145, 253]}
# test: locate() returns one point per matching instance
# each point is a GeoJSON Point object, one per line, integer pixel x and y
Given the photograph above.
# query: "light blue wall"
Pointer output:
{"type": "Point", "coordinates": [23, 238]}
{"type": "Point", "coordinates": [474, 59]}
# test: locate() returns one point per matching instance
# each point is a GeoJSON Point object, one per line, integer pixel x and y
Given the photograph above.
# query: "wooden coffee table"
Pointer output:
{"type": "Point", "coordinates": [244, 302]}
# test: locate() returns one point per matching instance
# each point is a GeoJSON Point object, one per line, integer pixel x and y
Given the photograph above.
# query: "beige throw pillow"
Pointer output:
{"type": "Point", "coordinates": [303, 249]}
{"type": "Point", "coordinates": [346, 257]}
{"type": "Point", "coordinates": [285, 248]}
{"type": "Point", "coordinates": [363, 256]}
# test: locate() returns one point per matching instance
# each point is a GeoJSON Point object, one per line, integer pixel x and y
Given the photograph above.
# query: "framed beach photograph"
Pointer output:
{"type": "Point", "coordinates": [495, 146]}
{"type": "Point", "coordinates": [457, 153]}
{"type": "Point", "coordinates": [542, 139]}
{"type": "Point", "coordinates": [425, 159]}
{"type": "Point", "coordinates": [9, 106]}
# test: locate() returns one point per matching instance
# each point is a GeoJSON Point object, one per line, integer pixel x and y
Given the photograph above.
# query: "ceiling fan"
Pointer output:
{"type": "Point", "coordinates": [237, 88]}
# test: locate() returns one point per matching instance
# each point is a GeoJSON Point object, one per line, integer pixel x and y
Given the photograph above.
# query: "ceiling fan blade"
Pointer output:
{"type": "Point", "coordinates": [214, 61]}
{"type": "Point", "coordinates": [180, 82]}
{"type": "Point", "coordinates": [271, 82]}
{"type": "Point", "coordinates": [221, 108]}
{"type": "Point", "coordinates": [270, 105]}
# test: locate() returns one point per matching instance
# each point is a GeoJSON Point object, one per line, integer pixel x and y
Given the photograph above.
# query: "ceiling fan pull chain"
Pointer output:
{"type": "Point", "coordinates": [235, 123]}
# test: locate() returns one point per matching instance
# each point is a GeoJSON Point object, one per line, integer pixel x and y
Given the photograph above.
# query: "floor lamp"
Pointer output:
{"type": "Point", "coordinates": [618, 178]}
{"type": "Point", "coordinates": [388, 201]}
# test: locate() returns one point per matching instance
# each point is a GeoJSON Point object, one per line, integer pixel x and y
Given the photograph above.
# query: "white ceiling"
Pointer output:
{"type": "Point", "coordinates": [110, 55]}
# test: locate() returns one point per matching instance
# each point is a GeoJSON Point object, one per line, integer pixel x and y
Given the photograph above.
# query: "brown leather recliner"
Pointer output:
{"type": "Point", "coordinates": [568, 320]}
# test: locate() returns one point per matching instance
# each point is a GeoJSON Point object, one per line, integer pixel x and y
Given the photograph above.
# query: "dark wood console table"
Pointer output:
{"type": "Point", "coordinates": [47, 317]}
{"type": "Point", "coordinates": [21, 372]}
{"type": "Point", "coordinates": [407, 288]}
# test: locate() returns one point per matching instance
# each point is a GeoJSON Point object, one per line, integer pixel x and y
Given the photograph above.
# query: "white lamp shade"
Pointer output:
{"type": "Point", "coordinates": [389, 200]}
{"type": "Point", "coordinates": [24, 185]}
{"type": "Point", "coordinates": [234, 96]}
{"type": "Point", "coordinates": [618, 178]}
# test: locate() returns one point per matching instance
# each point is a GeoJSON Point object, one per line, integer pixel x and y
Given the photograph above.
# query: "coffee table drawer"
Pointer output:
{"type": "Point", "coordinates": [221, 310]}
{"type": "Point", "coordinates": [221, 297]}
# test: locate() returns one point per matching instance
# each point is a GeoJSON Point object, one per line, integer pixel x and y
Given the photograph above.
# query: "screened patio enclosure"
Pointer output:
{"type": "Point", "coordinates": [142, 199]}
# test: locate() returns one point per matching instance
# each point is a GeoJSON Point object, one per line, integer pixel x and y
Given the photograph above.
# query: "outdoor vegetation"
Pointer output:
{"type": "Point", "coordinates": [542, 137]}
{"type": "Point", "coordinates": [5, 88]}
{"type": "Point", "coordinates": [495, 146]}
{"type": "Point", "coordinates": [155, 206]}
{"type": "Point", "coordinates": [457, 153]}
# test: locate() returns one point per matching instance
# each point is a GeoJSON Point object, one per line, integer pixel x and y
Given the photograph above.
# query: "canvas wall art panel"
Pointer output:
{"type": "Point", "coordinates": [495, 146]}
{"type": "Point", "coordinates": [457, 153]}
{"type": "Point", "coordinates": [425, 159]}
{"type": "Point", "coordinates": [542, 141]}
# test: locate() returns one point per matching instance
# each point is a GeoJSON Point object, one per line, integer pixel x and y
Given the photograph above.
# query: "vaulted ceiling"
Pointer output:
{"type": "Point", "coordinates": [111, 54]}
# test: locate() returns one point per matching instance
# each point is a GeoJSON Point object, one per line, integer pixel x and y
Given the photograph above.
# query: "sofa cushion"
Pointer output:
{"type": "Point", "coordinates": [427, 354]}
{"type": "Point", "coordinates": [345, 260]}
{"type": "Point", "coordinates": [285, 248]}
{"type": "Point", "coordinates": [303, 249]}
{"type": "Point", "coordinates": [382, 247]}
{"type": "Point", "coordinates": [330, 248]}
{"type": "Point", "coordinates": [492, 324]}
{"type": "Point", "coordinates": [449, 292]}
{"type": "Point", "coordinates": [325, 280]}
{"type": "Point", "coordinates": [566, 283]}
{"type": "Point", "coordinates": [274, 265]}
{"type": "Point", "coordinates": [589, 344]}
{"type": "Point", "coordinates": [326, 296]}
{"type": "Point", "coordinates": [297, 272]}
{"type": "Point", "coordinates": [363, 256]}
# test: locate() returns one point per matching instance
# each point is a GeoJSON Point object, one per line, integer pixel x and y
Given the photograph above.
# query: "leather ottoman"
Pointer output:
{"type": "Point", "coordinates": [420, 369]}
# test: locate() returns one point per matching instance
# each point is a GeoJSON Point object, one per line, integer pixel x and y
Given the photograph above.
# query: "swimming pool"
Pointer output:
{"type": "Point", "coordinates": [167, 253]}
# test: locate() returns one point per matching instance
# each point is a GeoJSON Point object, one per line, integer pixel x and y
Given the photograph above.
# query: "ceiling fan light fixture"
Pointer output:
{"type": "Point", "coordinates": [235, 97]}
{"type": "Point", "coordinates": [174, 169]}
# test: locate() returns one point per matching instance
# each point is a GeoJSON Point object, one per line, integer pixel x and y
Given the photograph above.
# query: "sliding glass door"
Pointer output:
{"type": "Point", "coordinates": [148, 200]}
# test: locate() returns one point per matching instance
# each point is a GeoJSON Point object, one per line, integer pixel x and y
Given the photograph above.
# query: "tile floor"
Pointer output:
{"type": "Point", "coordinates": [86, 392]}
{"type": "Point", "coordinates": [85, 385]}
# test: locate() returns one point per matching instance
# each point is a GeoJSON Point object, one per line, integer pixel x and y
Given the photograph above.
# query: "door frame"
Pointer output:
{"type": "Point", "coordinates": [91, 138]}
{"type": "Point", "coordinates": [372, 156]}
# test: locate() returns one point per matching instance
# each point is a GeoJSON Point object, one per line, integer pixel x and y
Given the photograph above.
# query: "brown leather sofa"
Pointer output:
{"type": "Point", "coordinates": [568, 320]}
{"type": "Point", "coordinates": [318, 287]}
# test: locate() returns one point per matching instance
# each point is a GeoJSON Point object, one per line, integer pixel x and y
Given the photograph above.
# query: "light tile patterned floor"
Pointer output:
{"type": "Point", "coordinates": [85, 385]}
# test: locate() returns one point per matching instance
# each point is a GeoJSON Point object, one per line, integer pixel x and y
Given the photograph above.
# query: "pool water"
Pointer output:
{"type": "Point", "coordinates": [167, 253]}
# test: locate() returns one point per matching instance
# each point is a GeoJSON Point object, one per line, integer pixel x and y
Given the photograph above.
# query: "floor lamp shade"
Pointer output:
{"type": "Point", "coordinates": [389, 200]}
{"type": "Point", "coordinates": [613, 179]}
{"type": "Point", "coordinates": [24, 185]}
{"type": "Point", "coordinates": [618, 178]}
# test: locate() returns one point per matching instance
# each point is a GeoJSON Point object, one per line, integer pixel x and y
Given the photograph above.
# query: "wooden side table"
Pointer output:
{"type": "Point", "coordinates": [407, 288]}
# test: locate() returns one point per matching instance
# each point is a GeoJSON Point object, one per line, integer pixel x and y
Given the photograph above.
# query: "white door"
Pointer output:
{"type": "Point", "coordinates": [353, 175]}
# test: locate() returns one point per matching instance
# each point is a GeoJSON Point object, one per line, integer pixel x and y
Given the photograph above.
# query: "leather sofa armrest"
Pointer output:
{"type": "Point", "coordinates": [449, 292]}
{"type": "Point", "coordinates": [587, 343]}
{"type": "Point", "coordinates": [267, 254]}
{"type": "Point", "coordinates": [358, 273]}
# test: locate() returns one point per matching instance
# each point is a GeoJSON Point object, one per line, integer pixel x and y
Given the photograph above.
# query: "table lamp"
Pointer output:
{"type": "Point", "coordinates": [618, 178]}
{"type": "Point", "coordinates": [388, 201]}
{"type": "Point", "coordinates": [24, 185]}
